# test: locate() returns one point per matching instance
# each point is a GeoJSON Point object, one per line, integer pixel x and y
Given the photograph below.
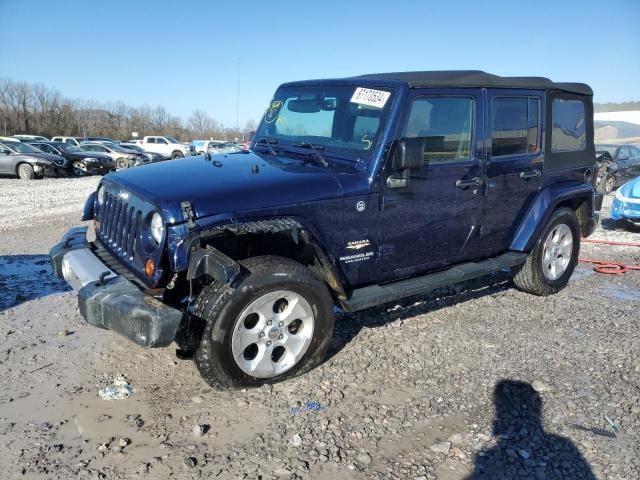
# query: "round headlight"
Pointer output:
{"type": "Point", "coordinates": [157, 227]}
{"type": "Point", "coordinates": [100, 196]}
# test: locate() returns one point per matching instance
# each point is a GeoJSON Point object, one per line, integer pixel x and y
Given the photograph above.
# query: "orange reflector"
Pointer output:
{"type": "Point", "coordinates": [149, 267]}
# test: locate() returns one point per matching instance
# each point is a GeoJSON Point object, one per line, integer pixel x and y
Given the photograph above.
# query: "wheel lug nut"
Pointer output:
{"type": "Point", "coordinates": [281, 324]}
{"type": "Point", "coordinates": [269, 322]}
{"type": "Point", "coordinates": [280, 337]}
{"type": "Point", "coordinates": [268, 344]}
{"type": "Point", "coordinates": [261, 334]}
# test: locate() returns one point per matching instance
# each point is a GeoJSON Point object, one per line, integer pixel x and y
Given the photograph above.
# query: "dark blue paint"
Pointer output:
{"type": "Point", "coordinates": [401, 232]}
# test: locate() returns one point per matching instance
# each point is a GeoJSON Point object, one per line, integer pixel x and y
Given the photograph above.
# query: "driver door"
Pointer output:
{"type": "Point", "coordinates": [431, 222]}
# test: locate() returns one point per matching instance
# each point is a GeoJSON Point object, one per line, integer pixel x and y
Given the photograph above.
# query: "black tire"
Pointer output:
{"type": "Point", "coordinates": [609, 184]}
{"type": "Point", "coordinates": [220, 306]}
{"type": "Point", "coordinates": [26, 172]}
{"type": "Point", "coordinates": [529, 277]}
{"type": "Point", "coordinates": [177, 154]}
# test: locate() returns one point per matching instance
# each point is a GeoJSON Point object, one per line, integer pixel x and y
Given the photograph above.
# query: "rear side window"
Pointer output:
{"type": "Point", "coordinates": [514, 126]}
{"type": "Point", "coordinates": [445, 124]}
{"type": "Point", "coordinates": [569, 132]}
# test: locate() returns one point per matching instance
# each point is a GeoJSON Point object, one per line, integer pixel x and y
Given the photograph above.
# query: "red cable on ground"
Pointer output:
{"type": "Point", "coordinates": [610, 242]}
{"type": "Point", "coordinates": [606, 266]}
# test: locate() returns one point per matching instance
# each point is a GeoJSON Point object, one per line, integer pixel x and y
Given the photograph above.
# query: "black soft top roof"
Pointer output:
{"type": "Point", "coordinates": [477, 78]}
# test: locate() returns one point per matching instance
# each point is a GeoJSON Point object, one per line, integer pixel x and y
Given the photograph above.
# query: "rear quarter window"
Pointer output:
{"type": "Point", "coordinates": [568, 133]}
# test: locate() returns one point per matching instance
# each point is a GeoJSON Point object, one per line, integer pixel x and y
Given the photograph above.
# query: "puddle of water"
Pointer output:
{"type": "Point", "coordinates": [620, 292]}
{"type": "Point", "coordinates": [26, 277]}
{"type": "Point", "coordinates": [580, 273]}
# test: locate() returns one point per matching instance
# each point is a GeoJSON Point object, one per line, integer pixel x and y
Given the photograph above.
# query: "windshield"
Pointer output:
{"type": "Point", "coordinates": [128, 146]}
{"type": "Point", "coordinates": [171, 140]}
{"type": "Point", "coordinates": [69, 148]}
{"type": "Point", "coordinates": [339, 118]}
{"type": "Point", "coordinates": [118, 148]}
{"type": "Point", "coordinates": [22, 147]}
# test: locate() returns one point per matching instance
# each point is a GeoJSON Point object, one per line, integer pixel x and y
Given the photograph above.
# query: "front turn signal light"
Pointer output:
{"type": "Point", "coordinates": [149, 267]}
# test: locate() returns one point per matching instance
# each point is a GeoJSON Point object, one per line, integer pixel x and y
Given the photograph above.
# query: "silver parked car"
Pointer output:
{"type": "Point", "coordinates": [123, 157]}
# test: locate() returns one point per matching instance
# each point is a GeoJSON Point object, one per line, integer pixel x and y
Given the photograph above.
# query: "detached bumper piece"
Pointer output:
{"type": "Point", "coordinates": [110, 301]}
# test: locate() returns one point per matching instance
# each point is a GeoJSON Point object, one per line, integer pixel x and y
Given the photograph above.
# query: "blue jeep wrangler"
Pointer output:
{"type": "Point", "coordinates": [355, 192]}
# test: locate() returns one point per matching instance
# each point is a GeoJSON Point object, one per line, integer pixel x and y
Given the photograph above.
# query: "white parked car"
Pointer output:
{"type": "Point", "coordinates": [68, 140]}
{"type": "Point", "coordinates": [169, 147]}
{"type": "Point", "coordinates": [31, 138]}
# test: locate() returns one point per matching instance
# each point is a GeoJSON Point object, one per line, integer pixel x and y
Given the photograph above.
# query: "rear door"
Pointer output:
{"type": "Point", "coordinates": [428, 223]}
{"type": "Point", "coordinates": [515, 163]}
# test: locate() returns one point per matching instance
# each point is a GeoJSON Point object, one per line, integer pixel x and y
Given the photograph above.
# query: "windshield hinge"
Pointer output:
{"type": "Point", "coordinates": [187, 213]}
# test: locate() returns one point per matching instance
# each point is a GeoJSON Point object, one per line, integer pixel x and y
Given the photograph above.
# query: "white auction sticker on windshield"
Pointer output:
{"type": "Point", "coordinates": [371, 97]}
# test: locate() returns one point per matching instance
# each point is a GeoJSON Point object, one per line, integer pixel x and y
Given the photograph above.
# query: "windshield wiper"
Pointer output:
{"type": "Point", "coordinates": [268, 141]}
{"type": "Point", "coordinates": [316, 149]}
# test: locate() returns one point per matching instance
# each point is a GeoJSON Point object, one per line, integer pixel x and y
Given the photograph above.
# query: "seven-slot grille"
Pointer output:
{"type": "Point", "coordinates": [119, 225]}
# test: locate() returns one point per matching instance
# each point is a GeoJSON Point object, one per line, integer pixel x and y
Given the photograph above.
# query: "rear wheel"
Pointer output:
{"type": "Point", "coordinates": [554, 257]}
{"type": "Point", "coordinates": [177, 154]}
{"type": "Point", "coordinates": [79, 169]}
{"type": "Point", "coordinates": [26, 172]}
{"type": "Point", "coordinates": [275, 323]}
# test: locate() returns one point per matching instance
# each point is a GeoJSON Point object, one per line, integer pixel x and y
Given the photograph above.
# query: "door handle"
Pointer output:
{"type": "Point", "coordinates": [464, 184]}
{"type": "Point", "coordinates": [530, 174]}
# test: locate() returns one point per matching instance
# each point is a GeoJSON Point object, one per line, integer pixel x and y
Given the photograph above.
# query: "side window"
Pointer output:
{"type": "Point", "coordinates": [161, 140]}
{"type": "Point", "coordinates": [623, 153]}
{"type": "Point", "coordinates": [569, 130]}
{"type": "Point", "coordinates": [151, 140]}
{"type": "Point", "coordinates": [514, 125]}
{"type": "Point", "coordinates": [634, 155]}
{"type": "Point", "coordinates": [445, 124]}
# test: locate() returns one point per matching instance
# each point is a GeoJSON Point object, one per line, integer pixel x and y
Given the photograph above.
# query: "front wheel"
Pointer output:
{"type": "Point", "coordinates": [175, 155]}
{"type": "Point", "coordinates": [275, 323]}
{"type": "Point", "coordinates": [26, 172]}
{"type": "Point", "coordinates": [609, 184]}
{"type": "Point", "coordinates": [79, 169]}
{"type": "Point", "coordinates": [122, 163]}
{"type": "Point", "coordinates": [554, 257]}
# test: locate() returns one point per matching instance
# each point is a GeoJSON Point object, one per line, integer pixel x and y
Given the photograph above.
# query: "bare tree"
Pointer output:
{"type": "Point", "coordinates": [37, 109]}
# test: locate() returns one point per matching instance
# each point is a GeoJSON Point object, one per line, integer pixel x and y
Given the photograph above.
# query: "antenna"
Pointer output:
{"type": "Point", "coordinates": [238, 99]}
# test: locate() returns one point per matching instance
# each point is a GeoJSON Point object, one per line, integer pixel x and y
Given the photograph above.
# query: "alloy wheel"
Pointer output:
{"type": "Point", "coordinates": [272, 334]}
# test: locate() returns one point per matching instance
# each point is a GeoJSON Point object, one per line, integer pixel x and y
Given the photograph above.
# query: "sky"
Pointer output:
{"type": "Point", "coordinates": [187, 55]}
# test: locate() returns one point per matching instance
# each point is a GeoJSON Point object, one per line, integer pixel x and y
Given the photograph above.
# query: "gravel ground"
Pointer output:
{"type": "Point", "coordinates": [476, 381]}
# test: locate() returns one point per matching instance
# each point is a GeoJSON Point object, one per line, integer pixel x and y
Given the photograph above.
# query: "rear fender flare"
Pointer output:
{"type": "Point", "coordinates": [539, 212]}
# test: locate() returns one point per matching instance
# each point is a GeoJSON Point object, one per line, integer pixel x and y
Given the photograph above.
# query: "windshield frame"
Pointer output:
{"type": "Point", "coordinates": [286, 92]}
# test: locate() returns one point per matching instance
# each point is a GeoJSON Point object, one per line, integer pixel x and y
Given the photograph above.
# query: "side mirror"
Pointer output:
{"type": "Point", "coordinates": [5, 152]}
{"type": "Point", "coordinates": [408, 155]}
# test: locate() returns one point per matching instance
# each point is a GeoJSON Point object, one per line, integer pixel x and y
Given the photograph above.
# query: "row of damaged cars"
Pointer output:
{"type": "Point", "coordinates": [35, 158]}
{"type": "Point", "coordinates": [619, 170]}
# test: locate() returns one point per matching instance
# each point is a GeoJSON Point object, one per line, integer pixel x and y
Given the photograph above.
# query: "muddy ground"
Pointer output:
{"type": "Point", "coordinates": [406, 392]}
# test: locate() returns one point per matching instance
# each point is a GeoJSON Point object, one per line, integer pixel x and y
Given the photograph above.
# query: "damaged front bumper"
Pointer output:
{"type": "Point", "coordinates": [108, 300]}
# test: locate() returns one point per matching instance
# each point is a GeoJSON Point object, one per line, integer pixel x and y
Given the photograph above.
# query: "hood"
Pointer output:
{"type": "Point", "coordinates": [229, 183]}
{"type": "Point", "coordinates": [81, 155]}
{"type": "Point", "coordinates": [630, 191]}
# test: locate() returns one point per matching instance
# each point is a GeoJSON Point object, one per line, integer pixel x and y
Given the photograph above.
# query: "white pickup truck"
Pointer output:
{"type": "Point", "coordinates": [168, 147]}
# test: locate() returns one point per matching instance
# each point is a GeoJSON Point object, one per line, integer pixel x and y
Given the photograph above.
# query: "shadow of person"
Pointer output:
{"type": "Point", "coordinates": [524, 449]}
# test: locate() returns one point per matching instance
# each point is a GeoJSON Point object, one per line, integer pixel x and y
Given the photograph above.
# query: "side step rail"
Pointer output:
{"type": "Point", "coordinates": [372, 295]}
